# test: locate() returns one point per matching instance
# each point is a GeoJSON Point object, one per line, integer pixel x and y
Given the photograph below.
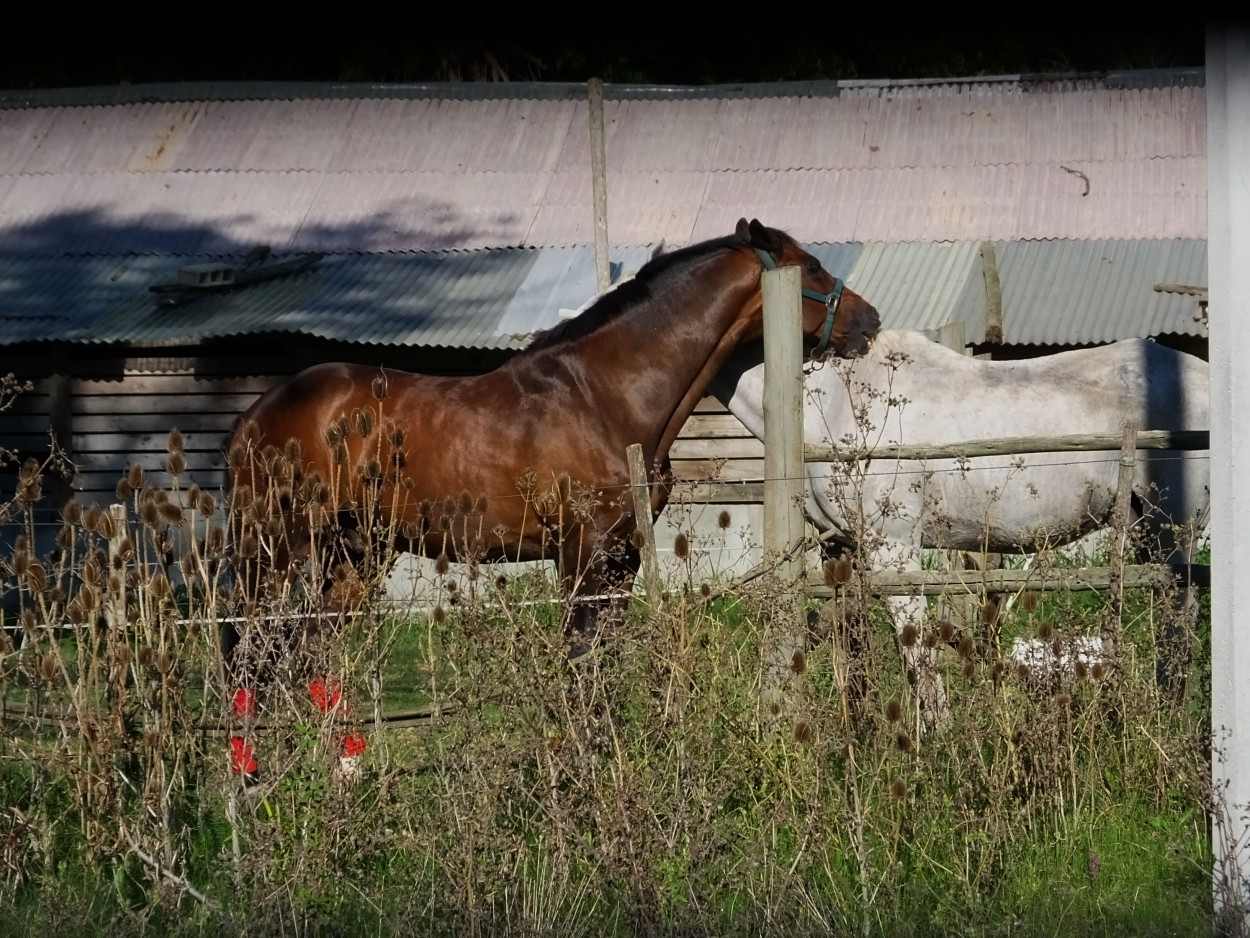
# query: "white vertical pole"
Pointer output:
{"type": "Point", "coordinates": [1228, 247]}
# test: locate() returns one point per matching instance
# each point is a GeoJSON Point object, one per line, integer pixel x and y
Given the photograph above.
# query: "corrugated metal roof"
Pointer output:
{"type": "Point", "coordinates": [1086, 292]}
{"type": "Point", "coordinates": [479, 91]}
{"type": "Point", "coordinates": [913, 286]}
{"type": "Point", "coordinates": [474, 300]}
{"type": "Point", "coordinates": [1054, 292]}
{"type": "Point", "coordinates": [440, 168]}
{"type": "Point", "coordinates": [433, 135]}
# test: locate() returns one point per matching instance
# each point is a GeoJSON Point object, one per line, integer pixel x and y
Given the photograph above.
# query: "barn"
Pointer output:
{"type": "Point", "coordinates": [168, 252]}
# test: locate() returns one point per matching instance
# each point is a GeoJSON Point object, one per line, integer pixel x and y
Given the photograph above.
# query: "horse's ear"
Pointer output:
{"type": "Point", "coordinates": [762, 236]}
{"type": "Point", "coordinates": [743, 229]}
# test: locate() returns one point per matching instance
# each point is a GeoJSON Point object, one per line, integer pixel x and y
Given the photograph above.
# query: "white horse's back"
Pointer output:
{"type": "Point", "coordinates": [909, 390]}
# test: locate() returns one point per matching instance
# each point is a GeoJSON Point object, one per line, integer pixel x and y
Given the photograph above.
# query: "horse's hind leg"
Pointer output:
{"type": "Point", "coordinates": [1175, 643]}
{"type": "Point", "coordinates": [920, 659]}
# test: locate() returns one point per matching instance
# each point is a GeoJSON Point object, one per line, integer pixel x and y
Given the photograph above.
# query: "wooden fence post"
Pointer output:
{"type": "Point", "coordinates": [783, 479]}
{"type": "Point", "coordinates": [640, 488]}
{"type": "Point", "coordinates": [599, 184]}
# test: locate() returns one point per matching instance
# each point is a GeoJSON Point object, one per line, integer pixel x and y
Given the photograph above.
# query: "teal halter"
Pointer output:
{"type": "Point", "coordinates": [830, 299]}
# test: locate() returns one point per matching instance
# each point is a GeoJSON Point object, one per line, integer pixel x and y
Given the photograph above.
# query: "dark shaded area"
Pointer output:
{"type": "Point", "coordinates": [647, 53]}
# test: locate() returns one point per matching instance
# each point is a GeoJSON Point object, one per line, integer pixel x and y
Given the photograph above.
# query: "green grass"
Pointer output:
{"type": "Point", "coordinates": [637, 793]}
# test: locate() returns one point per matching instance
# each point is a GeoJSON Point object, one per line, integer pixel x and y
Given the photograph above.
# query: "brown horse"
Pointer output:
{"type": "Point", "coordinates": [528, 461]}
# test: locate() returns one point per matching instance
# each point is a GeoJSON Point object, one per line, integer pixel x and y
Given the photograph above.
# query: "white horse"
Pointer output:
{"type": "Point", "coordinates": [910, 390]}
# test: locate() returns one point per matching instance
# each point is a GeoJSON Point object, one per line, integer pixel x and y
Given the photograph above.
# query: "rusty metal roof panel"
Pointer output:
{"type": "Point", "coordinates": [1086, 292]}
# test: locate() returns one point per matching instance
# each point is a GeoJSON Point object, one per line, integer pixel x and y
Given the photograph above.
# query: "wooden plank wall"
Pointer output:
{"type": "Point", "coordinates": [123, 410]}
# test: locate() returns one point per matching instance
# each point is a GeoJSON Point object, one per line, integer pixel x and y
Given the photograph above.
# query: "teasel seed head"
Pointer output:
{"type": "Point", "coordinates": [362, 421]}
{"type": "Point", "coordinates": [91, 517]}
{"type": "Point", "coordinates": [946, 630]}
{"type": "Point", "coordinates": [798, 661]}
{"type": "Point", "coordinates": [894, 710]}
{"type": "Point", "coordinates": [206, 504]}
{"type": "Point", "coordinates": [439, 615]}
{"type": "Point", "coordinates": [1099, 671]}
{"type": "Point", "coordinates": [969, 669]}
{"type": "Point", "coordinates": [379, 387]}
{"type": "Point", "coordinates": [803, 732]}
{"type": "Point", "coordinates": [930, 638]}
{"type": "Point", "coordinates": [442, 564]}
{"type": "Point", "coordinates": [1028, 600]}
{"type": "Point", "coordinates": [47, 667]}
{"type": "Point", "coordinates": [175, 464]}
{"type": "Point", "coordinates": [135, 476]}
{"type": "Point", "coordinates": [907, 638]}
{"type": "Point", "coordinates": [75, 612]}
{"type": "Point", "coordinates": [898, 789]}
{"type": "Point", "coordinates": [724, 520]}
{"type": "Point", "coordinates": [72, 511]}
{"type": "Point", "coordinates": [146, 656]}
{"type": "Point", "coordinates": [1045, 631]}
{"type": "Point", "coordinates": [159, 586]}
{"type": "Point", "coordinates": [681, 546]}
{"type": "Point", "coordinates": [1081, 669]}
{"type": "Point", "coordinates": [966, 646]}
{"type": "Point", "coordinates": [989, 612]}
{"type": "Point", "coordinates": [903, 741]}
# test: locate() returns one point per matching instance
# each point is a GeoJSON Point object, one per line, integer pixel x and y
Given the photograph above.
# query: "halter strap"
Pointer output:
{"type": "Point", "coordinates": [830, 299]}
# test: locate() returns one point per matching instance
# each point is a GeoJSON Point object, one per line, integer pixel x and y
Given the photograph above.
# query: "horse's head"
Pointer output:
{"type": "Point", "coordinates": [835, 319]}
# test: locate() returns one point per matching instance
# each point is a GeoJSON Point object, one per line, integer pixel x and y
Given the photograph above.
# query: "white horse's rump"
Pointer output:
{"type": "Point", "coordinates": [909, 390]}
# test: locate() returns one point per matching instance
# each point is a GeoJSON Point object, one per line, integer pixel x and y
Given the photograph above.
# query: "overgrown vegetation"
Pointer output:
{"type": "Point", "coordinates": [640, 790]}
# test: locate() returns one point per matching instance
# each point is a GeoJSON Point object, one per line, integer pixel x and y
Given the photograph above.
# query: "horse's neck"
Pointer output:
{"type": "Point", "coordinates": [676, 342]}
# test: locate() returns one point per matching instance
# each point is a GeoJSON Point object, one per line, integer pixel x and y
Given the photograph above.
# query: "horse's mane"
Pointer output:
{"type": "Point", "coordinates": [627, 295]}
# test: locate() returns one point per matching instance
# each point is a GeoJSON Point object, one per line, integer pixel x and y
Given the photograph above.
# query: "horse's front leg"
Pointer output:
{"type": "Point", "coordinates": [598, 591]}
{"type": "Point", "coordinates": [918, 645]}
{"type": "Point", "coordinates": [919, 655]}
